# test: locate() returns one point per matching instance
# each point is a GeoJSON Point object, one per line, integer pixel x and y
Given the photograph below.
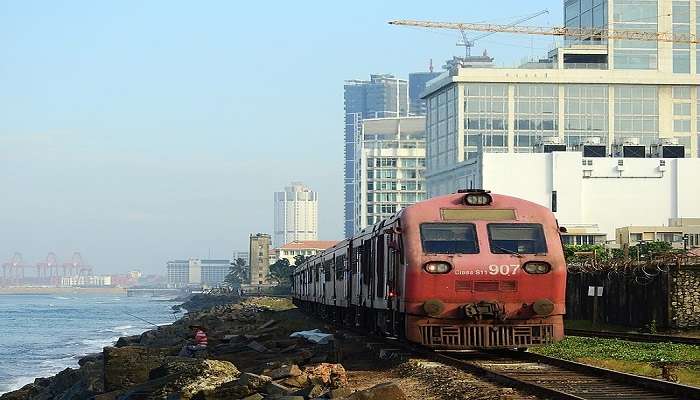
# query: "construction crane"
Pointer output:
{"type": "Point", "coordinates": [575, 33]}
{"type": "Point", "coordinates": [469, 43]}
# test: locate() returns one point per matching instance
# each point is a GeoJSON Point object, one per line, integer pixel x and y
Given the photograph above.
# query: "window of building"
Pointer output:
{"type": "Point", "coordinates": [637, 113]}
{"type": "Point", "coordinates": [536, 110]}
{"type": "Point", "coordinates": [485, 118]}
{"type": "Point", "coordinates": [586, 113]}
{"type": "Point", "coordinates": [635, 15]}
{"type": "Point", "coordinates": [681, 27]}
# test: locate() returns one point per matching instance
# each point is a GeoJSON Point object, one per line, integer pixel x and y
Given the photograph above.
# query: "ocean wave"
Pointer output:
{"type": "Point", "coordinates": [16, 383]}
{"type": "Point", "coordinates": [92, 345]}
{"type": "Point", "coordinates": [61, 298]}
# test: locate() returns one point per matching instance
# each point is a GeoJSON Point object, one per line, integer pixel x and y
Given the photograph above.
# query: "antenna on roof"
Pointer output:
{"type": "Point", "coordinates": [430, 68]}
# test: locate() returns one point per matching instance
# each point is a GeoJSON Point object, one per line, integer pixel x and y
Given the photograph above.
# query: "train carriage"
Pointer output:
{"type": "Point", "coordinates": [467, 270]}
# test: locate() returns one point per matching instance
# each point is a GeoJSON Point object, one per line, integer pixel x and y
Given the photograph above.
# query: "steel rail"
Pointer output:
{"type": "Point", "coordinates": [634, 337]}
{"type": "Point", "coordinates": [560, 379]}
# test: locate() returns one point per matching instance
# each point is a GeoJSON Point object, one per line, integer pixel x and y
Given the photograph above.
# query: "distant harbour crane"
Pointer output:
{"type": "Point", "coordinates": [13, 270]}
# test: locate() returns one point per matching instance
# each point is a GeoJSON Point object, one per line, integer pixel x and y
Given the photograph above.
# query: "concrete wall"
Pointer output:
{"type": "Point", "coordinates": [598, 194]}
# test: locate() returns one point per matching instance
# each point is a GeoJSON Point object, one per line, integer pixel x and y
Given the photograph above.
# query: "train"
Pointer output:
{"type": "Point", "coordinates": [469, 270]}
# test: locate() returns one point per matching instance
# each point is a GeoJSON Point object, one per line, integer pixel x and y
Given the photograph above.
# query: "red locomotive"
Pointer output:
{"type": "Point", "coordinates": [463, 271]}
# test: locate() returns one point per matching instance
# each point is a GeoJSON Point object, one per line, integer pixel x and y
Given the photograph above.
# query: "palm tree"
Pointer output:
{"type": "Point", "coordinates": [237, 273]}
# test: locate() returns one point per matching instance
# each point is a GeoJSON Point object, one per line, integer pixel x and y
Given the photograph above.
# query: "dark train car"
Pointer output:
{"type": "Point", "coordinates": [463, 271]}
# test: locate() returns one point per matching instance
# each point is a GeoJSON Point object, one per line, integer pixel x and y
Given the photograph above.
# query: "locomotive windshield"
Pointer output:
{"type": "Point", "coordinates": [517, 238]}
{"type": "Point", "coordinates": [449, 238]}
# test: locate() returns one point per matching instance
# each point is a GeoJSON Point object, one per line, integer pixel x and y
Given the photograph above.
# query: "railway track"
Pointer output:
{"type": "Point", "coordinates": [634, 337]}
{"type": "Point", "coordinates": [552, 378]}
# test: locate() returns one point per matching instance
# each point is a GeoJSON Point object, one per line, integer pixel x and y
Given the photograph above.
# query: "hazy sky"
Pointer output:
{"type": "Point", "coordinates": [141, 131]}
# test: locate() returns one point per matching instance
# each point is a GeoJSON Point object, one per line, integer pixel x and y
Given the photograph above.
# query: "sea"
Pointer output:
{"type": "Point", "coordinates": [41, 335]}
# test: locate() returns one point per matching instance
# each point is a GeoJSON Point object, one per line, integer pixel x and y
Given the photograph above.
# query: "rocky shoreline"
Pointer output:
{"type": "Point", "coordinates": [250, 356]}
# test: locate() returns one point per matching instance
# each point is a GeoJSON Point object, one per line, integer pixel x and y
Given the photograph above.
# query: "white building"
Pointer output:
{"type": "Point", "coordinates": [296, 214]}
{"type": "Point", "coordinates": [306, 248]}
{"type": "Point", "coordinates": [488, 127]}
{"type": "Point", "coordinates": [593, 195]}
{"type": "Point", "coordinates": [389, 162]}
{"type": "Point", "coordinates": [86, 281]}
{"type": "Point", "coordinates": [197, 272]}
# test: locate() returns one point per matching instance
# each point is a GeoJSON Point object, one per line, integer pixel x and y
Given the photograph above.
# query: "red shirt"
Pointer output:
{"type": "Point", "coordinates": [200, 338]}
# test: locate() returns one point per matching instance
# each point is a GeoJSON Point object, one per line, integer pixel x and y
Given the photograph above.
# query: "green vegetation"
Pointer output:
{"type": "Point", "coordinates": [631, 357]}
{"type": "Point", "coordinates": [646, 250]}
{"type": "Point", "coordinates": [573, 348]}
{"type": "Point", "coordinates": [237, 273]}
{"type": "Point", "coordinates": [281, 271]}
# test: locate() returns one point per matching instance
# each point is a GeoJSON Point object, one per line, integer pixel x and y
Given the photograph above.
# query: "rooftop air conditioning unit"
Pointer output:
{"type": "Point", "coordinates": [549, 144]}
{"type": "Point", "coordinates": [593, 148]}
{"type": "Point", "coordinates": [630, 148]}
{"type": "Point", "coordinates": [668, 148]}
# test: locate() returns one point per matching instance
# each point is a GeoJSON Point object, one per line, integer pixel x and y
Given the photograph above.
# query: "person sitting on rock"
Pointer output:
{"type": "Point", "coordinates": [198, 345]}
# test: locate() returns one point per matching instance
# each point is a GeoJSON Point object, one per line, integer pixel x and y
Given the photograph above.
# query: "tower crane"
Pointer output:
{"type": "Point", "coordinates": [469, 43]}
{"type": "Point", "coordinates": [577, 33]}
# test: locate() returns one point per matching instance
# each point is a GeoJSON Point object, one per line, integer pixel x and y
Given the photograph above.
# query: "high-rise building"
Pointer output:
{"type": "Point", "coordinates": [259, 258]}
{"type": "Point", "coordinates": [296, 214]}
{"type": "Point", "coordinates": [416, 86]}
{"type": "Point", "coordinates": [382, 96]}
{"type": "Point", "coordinates": [592, 132]}
{"type": "Point", "coordinates": [390, 162]}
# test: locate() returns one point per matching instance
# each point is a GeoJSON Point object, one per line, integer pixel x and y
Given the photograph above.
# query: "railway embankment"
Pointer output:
{"type": "Point", "coordinates": [675, 362]}
{"type": "Point", "coordinates": [252, 356]}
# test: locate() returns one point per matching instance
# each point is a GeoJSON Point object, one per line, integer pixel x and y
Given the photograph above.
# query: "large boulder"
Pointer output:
{"type": "Point", "coordinates": [247, 384]}
{"type": "Point", "coordinates": [130, 365]}
{"type": "Point", "coordinates": [182, 378]}
{"type": "Point", "coordinates": [191, 376]}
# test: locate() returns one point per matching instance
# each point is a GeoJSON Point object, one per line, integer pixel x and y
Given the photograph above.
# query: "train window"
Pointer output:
{"type": "Point", "coordinates": [449, 238]}
{"type": "Point", "coordinates": [380, 265]}
{"type": "Point", "coordinates": [517, 238]}
{"type": "Point", "coordinates": [340, 267]}
{"type": "Point", "coordinates": [327, 270]}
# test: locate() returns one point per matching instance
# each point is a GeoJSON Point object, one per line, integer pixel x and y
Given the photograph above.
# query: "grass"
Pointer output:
{"type": "Point", "coordinates": [631, 357]}
{"type": "Point", "coordinates": [275, 303]}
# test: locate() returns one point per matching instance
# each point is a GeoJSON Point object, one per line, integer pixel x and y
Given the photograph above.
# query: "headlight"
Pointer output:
{"type": "Point", "coordinates": [543, 307]}
{"type": "Point", "coordinates": [433, 307]}
{"type": "Point", "coordinates": [478, 199]}
{"type": "Point", "coordinates": [537, 267]}
{"type": "Point", "coordinates": [437, 267]}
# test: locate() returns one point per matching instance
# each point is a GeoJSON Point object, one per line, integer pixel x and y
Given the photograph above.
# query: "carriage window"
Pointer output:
{"type": "Point", "coordinates": [517, 238]}
{"type": "Point", "coordinates": [449, 238]}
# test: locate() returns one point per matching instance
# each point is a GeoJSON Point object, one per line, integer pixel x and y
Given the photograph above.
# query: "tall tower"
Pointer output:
{"type": "Point", "coordinates": [259, 258]}
{"type": "Point", "coordinates": [416, 85]}
{"type": "Point", "coordinates": [383, 96]}
{"type": "Point", "coordinates": [296, 214]}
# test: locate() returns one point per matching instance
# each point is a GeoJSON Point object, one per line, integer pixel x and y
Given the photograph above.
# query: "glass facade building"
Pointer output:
{"type": "Point", "coordinates": [208, 273]}
{"type": "Point", "coordinates": [416, 86]}
{"type": "Point", "coordinates": [590, 91]}
{"type": "Point", "coordinates": [382, 96]}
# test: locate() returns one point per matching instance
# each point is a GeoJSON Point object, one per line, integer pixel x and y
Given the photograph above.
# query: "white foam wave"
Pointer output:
{"type": "Point", "coordinates": [122, 327]}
